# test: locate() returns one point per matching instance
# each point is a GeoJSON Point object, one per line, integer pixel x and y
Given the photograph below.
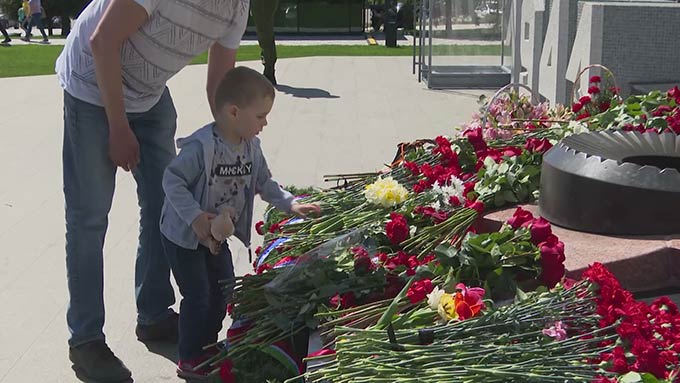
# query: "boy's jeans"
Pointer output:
{"type": "Point", "coordinates": [204, 304]}
{"type": "Point", "coordinates": [89, 182]}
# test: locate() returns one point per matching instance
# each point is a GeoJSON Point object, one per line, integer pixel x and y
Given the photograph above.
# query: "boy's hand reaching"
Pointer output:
{"type": "Point", "coordinates": [304, 209]}
{"type": "Point", "coordinates": [201, 226]}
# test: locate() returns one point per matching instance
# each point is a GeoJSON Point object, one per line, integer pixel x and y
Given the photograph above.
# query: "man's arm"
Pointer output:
{"type": "Point", "coordinates": [121, 19]}
{"type": "Point", "coordinates": [220, 61]}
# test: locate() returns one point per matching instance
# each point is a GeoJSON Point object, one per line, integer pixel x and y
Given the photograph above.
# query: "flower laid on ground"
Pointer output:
{"type": "Point", "coordinates": [386, 192]}
{"type": "Point", "coordinates": [419, 217]}
{"type": "Point", "coordinates": [463, 304]}
{"type": "Point", "coordinates": [591, 332]}
{"type": "Point", "coordinates": [557, 331]}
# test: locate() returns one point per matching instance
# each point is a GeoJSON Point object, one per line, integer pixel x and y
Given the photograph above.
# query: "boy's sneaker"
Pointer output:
{"type": "Point", "coordinates": [94, 361]}
{"type": "Point", "coordinates": [166, 330]}
{"type": "Point", "coordinates": [186, 369]}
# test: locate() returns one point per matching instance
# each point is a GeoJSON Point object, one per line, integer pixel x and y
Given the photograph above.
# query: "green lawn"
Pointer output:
{"type": "Point", "coordinates": [31, 60]}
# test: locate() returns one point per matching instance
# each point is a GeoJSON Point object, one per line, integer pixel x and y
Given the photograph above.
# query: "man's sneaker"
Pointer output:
{"type": "Point", "coordinates": [46, 41]}
{"type": "Point", "coordinates": [186, 369]}
{"type": "Point", "coordinates": [94, 361]}
{"type": "Point", "coordinates": [26, 39]}
{"type": "Point", "coordinates": [6, 41]}
{"type": "Point", "coordinates": [166, 330]}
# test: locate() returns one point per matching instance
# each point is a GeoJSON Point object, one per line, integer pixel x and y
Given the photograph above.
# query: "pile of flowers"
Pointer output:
{"type": "Point", "coordinates": [403, 249]}
{"type": "Point", "coordinates": [587, 331]}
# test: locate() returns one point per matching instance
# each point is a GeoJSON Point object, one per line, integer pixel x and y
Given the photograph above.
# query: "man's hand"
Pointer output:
{"type": "Point", "coordinates": [123, 146]}
{"type": "Point", "coordinates": [303, 210]}
{"type": "Point", "coordinates": [201, 226]}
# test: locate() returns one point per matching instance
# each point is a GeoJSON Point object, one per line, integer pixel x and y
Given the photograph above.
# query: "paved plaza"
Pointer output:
{"type": "Point", "coordinates": [331, 115]}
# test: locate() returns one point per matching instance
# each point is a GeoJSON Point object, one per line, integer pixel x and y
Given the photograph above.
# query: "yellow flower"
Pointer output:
{"type": "Point", "coordinates": [447, 307]}
{"type": "Point", "coordinates": [386, 192]}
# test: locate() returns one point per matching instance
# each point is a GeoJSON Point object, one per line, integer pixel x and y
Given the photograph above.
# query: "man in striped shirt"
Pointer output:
{"type": "Point", "coordinates": [118, 113]}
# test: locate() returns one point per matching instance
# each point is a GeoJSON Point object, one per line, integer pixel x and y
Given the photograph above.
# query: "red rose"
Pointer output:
{"type": "Point", "coordinates": [427, 259]}
{"type": "Point", "coordinates": [274, 228]}
{"type": "Point", "coordinates": [394, 285]}
{"type": "Point", "coordinates": [263, 267]}
{"type": "Point", "coordinates": [595, 79]}
{"type": "Point", "coordinates": [343, 301]}
{"type": "Point", "coordinates": [230, 308]}
{"type": "Point", "coordinates": [348, 300]}
{"type": "Point", "coordinates": [585, 100]}
{"type": "Point", "coordinates": [576, 107]}
{"type": "Point", "coordinates": [674, 94]}
{"type": "Point", "coordinates": [582, 116]}
{"type": "Point", "coordinates": [661, 110]}
{"type": "Point", "coordinates": [604, 106]}
{"type": "Point", "coordinates": [475, 138]}
{"type": "Point", "coordinates": [468, 187]}
{"type": "Point", "coordinates": [454, 201]}
{"type": "Point", "coordinates": [258, 250]}
{"type": "Point", "coordinates": [259, 228]}
{"type": "Point", "coordinates": [552, 261]}
{"type": "Point", "coordinates": [535, 145]}
{"type": "Point", "coordinates": [511, 151]}
{"type": "Point", "coordinates": [615, 90]}
{"type": "Point", "coordinates": [540, 230]}
{"type": "Point", "coordinates": [475, 205]}
{"type": "Point", "coordinates": [359, 251]}
{"type": "Point", "coordinates": [397, 229]}
{"type": "Point", "coordinates": [226, 375]}
{"type": "Point", "coordinates": [363, 265]}
{"type": "Point", "coordinates": [335, 301]}
{"type": "Point", "coordinates": [520, 218]}
{"type": "Point", "coordinates": [594, 89]}
{"type": "Point", "coordinates": [419, 290]}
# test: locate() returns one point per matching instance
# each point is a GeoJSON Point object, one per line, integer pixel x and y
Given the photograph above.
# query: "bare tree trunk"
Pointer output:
{"type": "Point", "coordinates": [448, 13]}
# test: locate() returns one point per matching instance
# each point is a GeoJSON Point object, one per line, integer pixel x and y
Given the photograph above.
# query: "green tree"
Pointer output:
{"type": "Point", "coordinates": [10, 7]}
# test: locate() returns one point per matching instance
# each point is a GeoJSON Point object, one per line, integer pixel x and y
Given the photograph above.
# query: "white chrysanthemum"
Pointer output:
{"type": "Point", "coordinates": [386, 192]}
{"type": "Point", "coordinates": [454, 189]}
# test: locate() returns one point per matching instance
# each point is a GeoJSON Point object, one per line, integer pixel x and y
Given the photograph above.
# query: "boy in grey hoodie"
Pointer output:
{"type": "Point", "coordinates": [219, 167]}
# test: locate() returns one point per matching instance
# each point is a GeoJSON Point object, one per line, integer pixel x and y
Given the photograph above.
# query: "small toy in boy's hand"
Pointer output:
{"type": "Point", "coordinates": [305, 209]}
{"type": "Point", "coordinates": [222, 226]}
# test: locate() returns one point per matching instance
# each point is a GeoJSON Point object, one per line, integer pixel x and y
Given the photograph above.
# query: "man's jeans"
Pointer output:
{"type": "Point", "coordinates": [204, 303]}
{"type": "Point", "coordinates": [89, 182]}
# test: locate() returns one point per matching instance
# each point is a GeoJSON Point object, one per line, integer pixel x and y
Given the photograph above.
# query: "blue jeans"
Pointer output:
{"type": "Point", "coordinates": [204, 303]}
{"type": "Point", "coordinates": [89, 183]}
{"type": "Point", "coordinates": [36, 21]}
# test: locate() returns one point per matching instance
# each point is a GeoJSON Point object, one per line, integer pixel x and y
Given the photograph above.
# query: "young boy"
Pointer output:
{"type": "Point", "coordinates": [220, 166]}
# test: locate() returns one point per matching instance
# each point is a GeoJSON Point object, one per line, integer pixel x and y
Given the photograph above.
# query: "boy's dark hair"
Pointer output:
{"type": "Point", "coordinates": [241, 86]}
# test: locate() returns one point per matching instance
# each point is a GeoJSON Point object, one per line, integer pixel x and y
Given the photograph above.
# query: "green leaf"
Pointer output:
{"type": "Point", "coordinates": [509, 196]}
{"type": "Point", "coordinates": [391, 311]}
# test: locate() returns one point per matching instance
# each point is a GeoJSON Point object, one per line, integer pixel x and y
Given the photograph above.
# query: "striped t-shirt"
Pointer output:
{"type": "Point", "coordinates": [175, 33]}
